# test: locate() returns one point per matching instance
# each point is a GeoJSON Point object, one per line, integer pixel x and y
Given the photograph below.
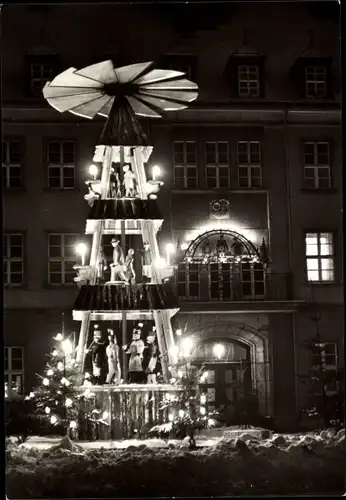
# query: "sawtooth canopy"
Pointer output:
{"type": "Point", "coordinates": [211, 244]}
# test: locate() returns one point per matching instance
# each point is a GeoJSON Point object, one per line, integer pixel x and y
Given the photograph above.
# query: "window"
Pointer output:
{"type": "Point", "coordinates": [61, 258]}
{"type": "Point", "coordinates": [317, 165]}
{"type": "Point", "coordinates": [315, 81]}
{"type": "Point", "coordinates": [249, 164]}
{"type": "Point", "coordinates": [185, 164]}
{"type": "Point", "coordinates": [186, 63]}
{"type": "Point", "coordinates": [61, 164]}
{"type": "Point", "coordinates": [217, 164]}
{"type": "Point", "coordinates": [325, 355]}
{"type": "Point", "coordinates": [14, 371]}
{"type": "Point", "coordinates": [13, 259]}
{"type": "Point", "coordinates": [40, 74]}
{"type": "Point", "coordinates": [248, 81]}
{"type": "Point", "coordinates": [319, 256]}
{"type": "Point", "coordinates": [324, 359]}
{"type": "Point", "coordinates": [12, 164]}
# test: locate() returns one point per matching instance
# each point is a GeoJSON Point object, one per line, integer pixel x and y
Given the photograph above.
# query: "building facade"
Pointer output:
{"type": "Point", "coordinates": [252, 199]}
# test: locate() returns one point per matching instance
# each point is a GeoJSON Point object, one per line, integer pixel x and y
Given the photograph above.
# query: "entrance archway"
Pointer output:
{"type": "Point", "coordinates": [249, 348]}
{"type": "Point", "coordinates": [228, 384]}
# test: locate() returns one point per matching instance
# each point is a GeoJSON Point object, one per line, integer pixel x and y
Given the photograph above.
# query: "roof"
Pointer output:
{"type": "Point", "coordinates": [137, 297]}
{"type": "Point", "coordinates": [134, 209]}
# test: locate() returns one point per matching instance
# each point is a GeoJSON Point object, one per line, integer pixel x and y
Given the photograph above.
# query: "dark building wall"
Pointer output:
{"type": "Point", "coordinates": [281, 211]}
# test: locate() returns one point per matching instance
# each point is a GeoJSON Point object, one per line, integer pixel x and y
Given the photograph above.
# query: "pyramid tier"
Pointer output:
{"type": "Point", "coordinates": [133, 209]}
{"type": "Point", "coordinates": [118, 298]}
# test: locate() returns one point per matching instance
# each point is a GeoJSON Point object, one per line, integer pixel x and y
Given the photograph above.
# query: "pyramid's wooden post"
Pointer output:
{"type": "Point", "coordinates": [94, 256]}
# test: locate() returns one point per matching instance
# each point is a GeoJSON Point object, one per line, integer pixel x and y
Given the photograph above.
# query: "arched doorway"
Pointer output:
{"type": "Point", "coordinates": [228, 385]}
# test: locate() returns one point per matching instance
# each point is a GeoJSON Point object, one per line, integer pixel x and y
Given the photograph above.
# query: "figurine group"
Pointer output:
{"type": "Point", "coordinates": [144, 360]}
{"type": "Point", "coordinates": [123, 183]}
{"type": "Point", "coordinates": [221, 247]}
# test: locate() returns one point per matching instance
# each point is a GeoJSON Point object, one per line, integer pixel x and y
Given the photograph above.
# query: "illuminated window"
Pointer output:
{"type": "Point", "coordinates": [249, 164]}
{"type": "Point", "coordinates": [315, 81]}
{"type": "Point", "coordinates": [14, 371]}
{"type": "Point", "coordinates": [248, 81]}
{"type": "Point", "coordinates": [217, 165]}
{"type": "Point", "coordinates": [317, 165]}
{"type": "Point", "coordinates": [185, 164]}
{"type": "Point", "coordinates": [12, 164]}
{"type": "Point", "coordinates": [319, 253]}
{"type": "Point", "coordinates": [62, 258]}
{"type": "Point", "coordinates": [61, 164]}
{"type": "Point", "coordinates": [13, 259]}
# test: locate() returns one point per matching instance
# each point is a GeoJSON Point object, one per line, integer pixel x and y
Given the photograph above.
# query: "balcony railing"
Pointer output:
{"type": "Point", "coordinates": [264, 287]}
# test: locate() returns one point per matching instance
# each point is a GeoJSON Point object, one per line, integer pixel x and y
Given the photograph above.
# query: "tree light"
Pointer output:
{"type": "Point", "coordinates": [181, 413]}
{"type": "Point", "coordinates": [60, 366]}
{"type": "Point", "coordinates": [219, 350]}
{"type": "Point", "coordinates": [58, 337]}
{"type": "Point", "coordinates": [170, 417]}
{"type": "Point", "coordinates": [156, 171]}
{"type": "Point", "coordinates": [169, 249]}
{"type": "Point", "coordinates": [47, 410]}
{"type": "Point", "coordinates": [86, 375]}
{"type": "Point", "coordinates": [55, 353]}
{"type": "Point", "coordinates": [174, 350]}
{"type": "Point", "coordinates": [68, 402]}
{"type": "Point", "coordinates": [53, 419]}
{"type": "Point", "coordinates": [50, 372]}
{"type": "Point", "coordinates": [45, 381]}
{"type": "Point", "coordinates": [67, 346]}
{"type": "Point", "coordinates": [73, 424]}
{"type": "Point", "coordinates": [179, 332]}
{"type": "Point", "coordinates": [93, 170]}
{"type": "Point", "coordinates": [202, 410]}
{"type": "Point", "coordinates": [81, 249]}
{"type": "Point", "coordinates": [160, 263]}
{"type": "Point", "coordinates": [186, 345]}
{"type": "Point", "coordinates": [105, 415]}
{"type": "Point", "coordinates": [203, 398]}
{"type": "Point", "coordinates": [31, 395]}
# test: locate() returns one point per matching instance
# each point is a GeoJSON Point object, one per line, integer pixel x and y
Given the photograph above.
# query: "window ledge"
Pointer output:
{"type": "Point", "coordinates": [13, 191]}
{"type": "Point", "coordinates": [319, 283]}
{"type": "Point", "coordinates": [319, 190]}
{"type": "Point", "coordinates": [58, 190]}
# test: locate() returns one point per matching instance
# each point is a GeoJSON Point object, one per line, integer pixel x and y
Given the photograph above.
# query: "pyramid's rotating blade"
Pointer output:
{"type": "Point", "coordinates": [69, 78]}
{"type": "Point", "coordinates": [106, 108]}
{"type": "Point", "coordinates": [101, 72]}
{"type": "Point", "coordinates": [67, 103]}
{"type": "Point", "coordinates": [131, 72]}
{"type": "Point", "coordinates": [160, 103]}
{"type": "Point", "coordinates": [175, 84]}
{"type": "Point", "coordinates": [50, 91]}
{"type": "Point", "coordinates": [142, 109]}
{"type": "Point", "coordinates": [179, 95]}
{"type": "Point", "coordinates": [157, 75]}
{"type": "Point", "coordinates": [91, 108]}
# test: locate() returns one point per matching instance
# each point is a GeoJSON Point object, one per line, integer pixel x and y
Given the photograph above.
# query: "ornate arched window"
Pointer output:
{"type": "Point", "coordinates": [221, 265]}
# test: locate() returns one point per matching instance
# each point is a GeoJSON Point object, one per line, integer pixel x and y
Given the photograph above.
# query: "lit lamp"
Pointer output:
{"type": "Point", "coordinates": [81, 250]}
{"type": "Point", "coordinates": [160, 263]}
{"type": "Point", "coordinates": [169, 250]}
{"type": "Point", "coordinates": [156, 171]}
{"type": "Point", "coordinates": [93, 170]}
{"type": "Point", "coordinates": [186, 346]}
{"type": "Point", "coordinates": [67, 347]}
{"type": "Point", "coordinates": [219, 350]}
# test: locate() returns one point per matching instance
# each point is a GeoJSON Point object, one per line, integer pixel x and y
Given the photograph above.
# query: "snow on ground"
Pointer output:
{"type": "Point", "coordinates": [208, 437]}
{"type": "Point", "coordinates": [230, 465]}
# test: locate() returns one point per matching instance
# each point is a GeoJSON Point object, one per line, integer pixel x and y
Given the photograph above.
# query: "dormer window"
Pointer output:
{"type": "Point", "coordinates": [248, 81]}
{"type": "Point", "coordinates": [40, 74]}
{"type": "Point", "coordinates": [245, 73]}
{"type": "Point", "coordinates": [311, 74]}
{"type": "Point", "coordinates": [315, 81]}
{"type": "Point", "coordinates": [186, 63]}
{"type": "Point", "coordinates": [41, 68]}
